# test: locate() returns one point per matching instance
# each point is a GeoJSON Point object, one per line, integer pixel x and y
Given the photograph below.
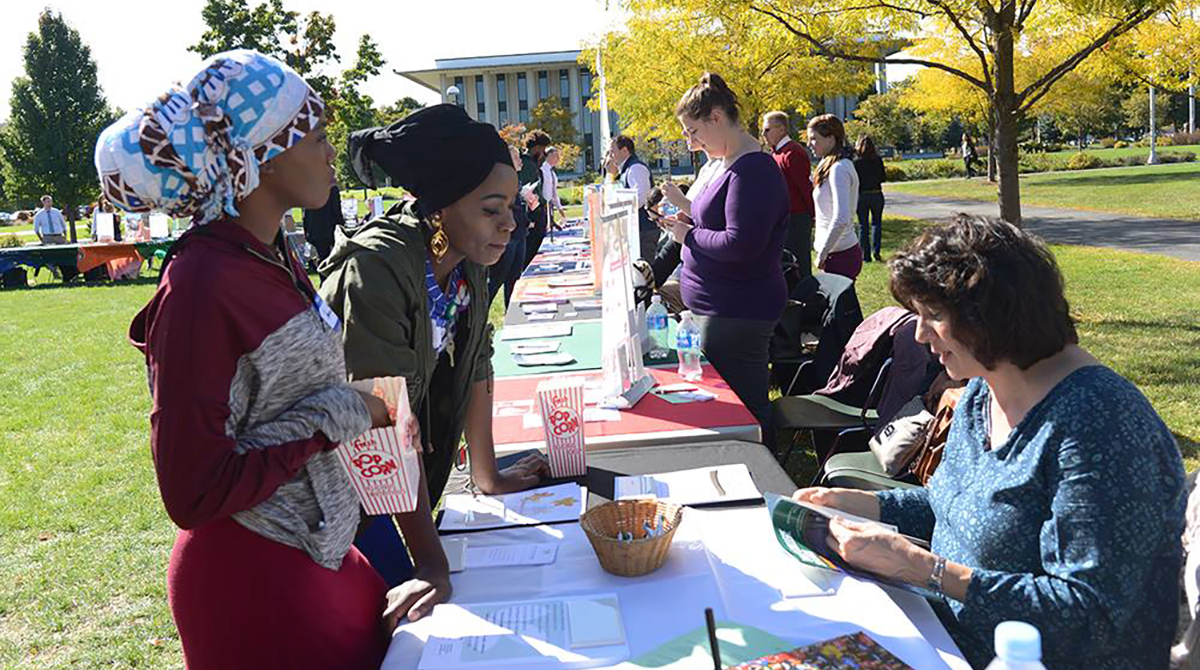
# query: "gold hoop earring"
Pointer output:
{"type": "Point", "coordinates": [439, 244]}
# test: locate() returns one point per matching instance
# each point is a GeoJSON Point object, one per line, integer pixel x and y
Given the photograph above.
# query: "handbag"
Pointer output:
{"type": "Point", "coordinates": [929, 454]}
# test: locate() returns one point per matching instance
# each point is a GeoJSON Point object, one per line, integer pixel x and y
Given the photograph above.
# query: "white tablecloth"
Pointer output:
{"type": "Point", "coordinates": [725, 559]}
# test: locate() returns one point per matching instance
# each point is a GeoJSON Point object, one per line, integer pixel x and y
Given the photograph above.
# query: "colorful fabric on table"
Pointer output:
{"type": "Point", "coordinates": [445, 306]}
{"type": "Point", "coordinates": [196, 151]}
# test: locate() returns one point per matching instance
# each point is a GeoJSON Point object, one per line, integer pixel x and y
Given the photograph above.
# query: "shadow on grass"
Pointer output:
{"type": "Point", "coordinates": [1189, 448]}
{"type": "Point", "coordinates": [1184, 178]}
{"type": "Point", "coordinates": [57, 284]}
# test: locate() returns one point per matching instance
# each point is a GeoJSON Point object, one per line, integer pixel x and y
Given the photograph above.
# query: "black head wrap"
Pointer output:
{"type": "Point", "coordinates": [438, 154]}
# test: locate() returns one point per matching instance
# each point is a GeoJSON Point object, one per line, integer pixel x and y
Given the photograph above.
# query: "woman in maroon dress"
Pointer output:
{"type": "Point", "coordinates": [247, 375]}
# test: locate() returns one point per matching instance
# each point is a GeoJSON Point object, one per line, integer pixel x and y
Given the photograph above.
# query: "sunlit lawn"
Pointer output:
{"type": "Point", "coordinates": [84, 541]}
{"type": "Point", "coordinates": [1162, 191]}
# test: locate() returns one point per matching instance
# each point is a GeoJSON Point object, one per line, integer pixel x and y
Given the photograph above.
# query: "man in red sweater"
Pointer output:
{"type": "Point", "coordinates": [793, 161]}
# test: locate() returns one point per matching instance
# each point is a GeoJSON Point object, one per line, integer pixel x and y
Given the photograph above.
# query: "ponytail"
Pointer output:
{"type": "Point", "coordinates": [829, 125]}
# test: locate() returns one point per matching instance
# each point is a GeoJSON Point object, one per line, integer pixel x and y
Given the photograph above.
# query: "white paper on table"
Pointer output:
{"type": "Point", "coordinates": [590, 415]}
{"type": "Point", "coordinates": [540, 316]}
{"type": "Point", "coordinates": [535, 347]}
{"type": "Point", "coordinates": [533, 332]}
{"type": "Point", "coordinates": [569, 632]}
{"type": "Point", "coordinates": [463, 511]}
{"type": "Point", "coordinates": [550, 358]}
{"type": "Point", "coordinates": [508, 555]}
{"type": "Point", "coordinates": [534, 307]}
{"type": "Point", "coordinates": [722, 483]}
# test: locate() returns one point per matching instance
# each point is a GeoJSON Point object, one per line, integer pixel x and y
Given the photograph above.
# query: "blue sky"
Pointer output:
{"type": "Point", "coordinates": [140, 46]}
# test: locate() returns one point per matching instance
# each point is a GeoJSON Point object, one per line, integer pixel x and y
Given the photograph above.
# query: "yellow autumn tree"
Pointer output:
{"type": "Point", "coordinates": [984, 43]}
{"type": "Point", "coordinates": [666, 45]}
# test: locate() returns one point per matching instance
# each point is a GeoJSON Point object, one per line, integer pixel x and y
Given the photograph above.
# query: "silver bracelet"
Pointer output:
{"type": "Point", "coordinates": [935, 579]}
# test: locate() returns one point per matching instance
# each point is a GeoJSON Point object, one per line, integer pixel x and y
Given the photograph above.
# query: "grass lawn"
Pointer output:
{"type": "Point", "coordinates": [1110, 154]}
{"type": "Point", "coordinates": [84, 540]}
{"type": "Point", "coordinates": [1166, 191]}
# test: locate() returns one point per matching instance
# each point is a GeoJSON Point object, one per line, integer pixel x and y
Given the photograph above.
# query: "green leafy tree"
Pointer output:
{"type": "Point", "coordinates": [57, 111]}
{"type": "Point", "coordinates": [558, 122]}
{"type": "Point", "coordinates": [304, 43]}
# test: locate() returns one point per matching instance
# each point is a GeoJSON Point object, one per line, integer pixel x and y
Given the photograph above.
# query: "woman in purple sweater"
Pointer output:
{"type": "Point", "coordinates": [732, 280]}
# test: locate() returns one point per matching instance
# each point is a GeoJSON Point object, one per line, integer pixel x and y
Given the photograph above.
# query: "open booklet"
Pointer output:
{"type": "Point", "coordinates": [803, 531]}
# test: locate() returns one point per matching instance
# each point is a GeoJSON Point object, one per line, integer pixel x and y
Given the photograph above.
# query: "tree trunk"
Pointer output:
{"type": "Point", "coordinates": [71, 210]}
{"type": "Point", "coordinates": [1005, 104]}
{"type": "Point", "coordinates": [991, 143]}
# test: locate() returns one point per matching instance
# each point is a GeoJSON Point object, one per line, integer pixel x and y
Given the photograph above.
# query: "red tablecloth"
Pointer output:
{"type": "Point", "coordinates": [515, 396]}
{"type": "Point", "coordinates": [95, 255]}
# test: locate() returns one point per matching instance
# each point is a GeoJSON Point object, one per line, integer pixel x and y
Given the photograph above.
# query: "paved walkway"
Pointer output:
{"type": "Point", "coordinates": [1179, 239]}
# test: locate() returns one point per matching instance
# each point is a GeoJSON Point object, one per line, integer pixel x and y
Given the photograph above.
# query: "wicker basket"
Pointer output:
{"type": "Point", "coordinates": [641, 555]}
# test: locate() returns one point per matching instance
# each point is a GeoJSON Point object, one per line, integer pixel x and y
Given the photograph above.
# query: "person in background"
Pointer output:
{"type": "Point", "coordinates": [732, 280]}
{"type": "Point", "coordinates": [793, 162]}
{"type": "Point", "coordinates": [536, 144]}
{"type": "Point", "coordinates": [549, 192]}
{"type": "Point", "coordinates": [507, 270]}
{"type": "Point", "coordinates": [411, 288]}
{"type": "Point", "coordinates": [247, 377]}
{"type": "Point", "coordinates": [871, 175]}
{"type": "Point", "coordinates": [632, 173]}
{"type": "Point", "coordinates": [48, 223]}
{"type": "Point", "coordinates": [320, 223]}
{"type": "Point", "coordinates": [1060, 497]}
{"type": "Point", "coordinates": [835, 198]}
{"type": "Point", "coordinates": [969, 155]}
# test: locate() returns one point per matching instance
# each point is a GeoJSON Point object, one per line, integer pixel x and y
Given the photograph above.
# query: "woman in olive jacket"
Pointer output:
{"type": "Point", "coordinates": [411, 290]}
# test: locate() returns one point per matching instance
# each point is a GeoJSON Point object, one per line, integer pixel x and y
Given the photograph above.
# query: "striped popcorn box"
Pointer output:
{"type": "Point", "coordinates": [561, 401]}
{"type": "Point", "coordinates": [383, 462]}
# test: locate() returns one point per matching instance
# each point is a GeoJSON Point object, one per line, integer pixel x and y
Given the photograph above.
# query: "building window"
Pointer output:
{"type": "Point", "coordinates": [589, 152]}
{"type": "Point", "coordinates": [522, 98]}
{"type": "Point", "coordinates": [462, 92]}
{"type": "Point", "coordinates": [480, 99]}
{"type": "Point", "coordinates": [502, 99]}
{"type": "Point", "coordinates": [564, 89]}
{"type": "Point", "coordinates": [585, 93]}
{"type": "Point", "coordinates": [543, 85]}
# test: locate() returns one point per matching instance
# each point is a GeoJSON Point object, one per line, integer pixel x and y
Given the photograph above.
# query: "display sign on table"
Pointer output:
{"type": "Point", "coordinates": [384, 463]}
{"type": "Point", "coordinates": [104, 223]}
{"type": "Point", "coordinates": [625, 379]}
{"type": "Point", "coordinates": [350, 211]}
{"type": "Point", "coordinates": [160, 226]}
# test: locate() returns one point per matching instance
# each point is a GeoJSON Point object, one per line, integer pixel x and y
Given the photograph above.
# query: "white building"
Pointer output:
{"type": "Point", "coordinates": [503, 90]}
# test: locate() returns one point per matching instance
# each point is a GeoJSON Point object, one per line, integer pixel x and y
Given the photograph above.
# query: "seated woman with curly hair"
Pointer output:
{"type": "Point", "coordinates": [1059, 500]}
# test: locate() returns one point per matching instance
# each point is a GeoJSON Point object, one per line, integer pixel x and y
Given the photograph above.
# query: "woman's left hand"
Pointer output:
{"type": "Point", "coordinates": [527, 472]}
{"type": "Point", "coordinates": [875, 549]}
{"type": "Point", "coordinates": [679, 228]}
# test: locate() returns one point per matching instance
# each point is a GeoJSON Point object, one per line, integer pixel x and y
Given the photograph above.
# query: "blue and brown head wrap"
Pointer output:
{"type": "Point", "coordinates": [196, 150]}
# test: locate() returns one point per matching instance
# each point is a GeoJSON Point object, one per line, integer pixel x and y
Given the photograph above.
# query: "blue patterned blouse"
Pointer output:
{"type": "Point", "coordinates": [1072, 525]}
{"type": "Point", "coordinates": [445, 306]}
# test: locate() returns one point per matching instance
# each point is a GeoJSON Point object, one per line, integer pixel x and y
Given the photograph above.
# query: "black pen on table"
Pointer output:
{"type": "Point", "coordinates": [712, 637]}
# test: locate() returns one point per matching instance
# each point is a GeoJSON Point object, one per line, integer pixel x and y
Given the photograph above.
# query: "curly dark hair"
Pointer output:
{"type": "Point", "coordinates": [1000, 287]}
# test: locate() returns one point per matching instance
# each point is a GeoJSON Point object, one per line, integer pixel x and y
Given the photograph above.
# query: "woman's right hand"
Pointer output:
{"type": "Point", "coordinates": [859, 503]}
{"type": "Point", "coordinates": [416, 597]}
{"type": "Point", "coordinates": [675, 196]}
{"type": "Point", "coordinates": [377, 408]}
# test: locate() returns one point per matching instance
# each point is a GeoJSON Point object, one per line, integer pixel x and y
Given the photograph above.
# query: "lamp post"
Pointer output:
{"type": "Point", "coordinates": [1153, 159]}
{"type": "Point", "coordinates": [453, 94]}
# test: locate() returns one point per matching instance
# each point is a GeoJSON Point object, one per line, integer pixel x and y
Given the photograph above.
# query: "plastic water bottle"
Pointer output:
{"type": "Point", "coordinates": [1018, 647]}
{"type": "Point", "coordinates": [656, 324]}
{"type": "Point", "coordinates": [687, 345]}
